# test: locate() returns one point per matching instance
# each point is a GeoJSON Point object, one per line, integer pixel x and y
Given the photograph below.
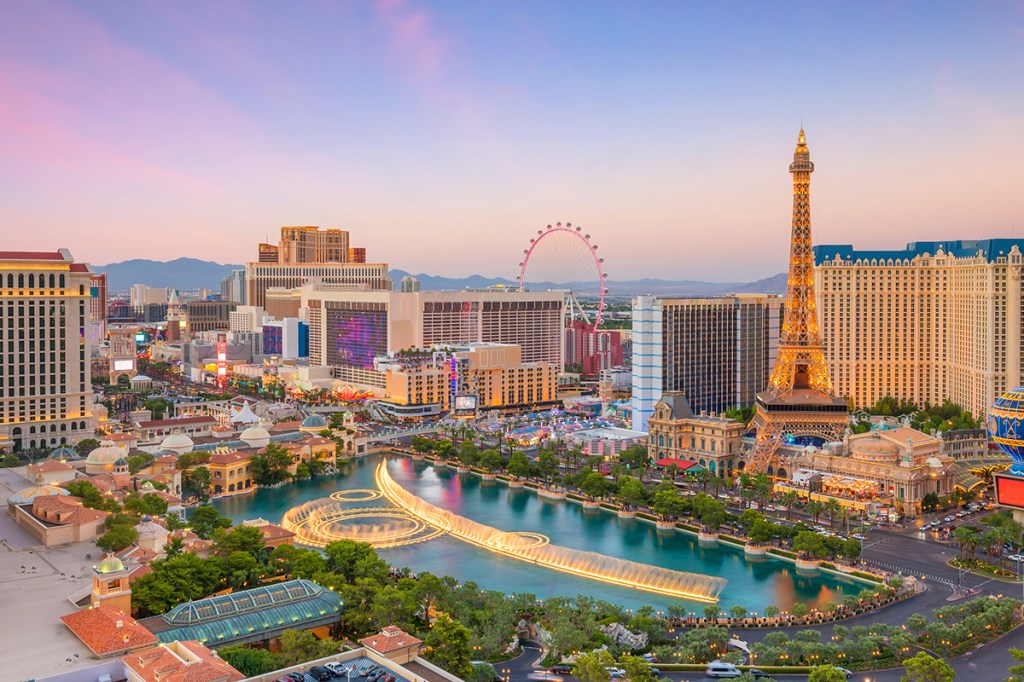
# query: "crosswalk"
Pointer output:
{"type": "Point", "coordinates": [893, 568]}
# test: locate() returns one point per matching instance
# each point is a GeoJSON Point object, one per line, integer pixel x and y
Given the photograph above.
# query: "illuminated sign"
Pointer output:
{"type": "Point", "coordinates": [465, 405]}
{"type": "Point", "coordinates": [124, 365]}
{"type": "Point", "coordinates": [222, 362]}
{"type": "Point", "coordinates": [1009, 490]}
{"type": "Point", "coordinates": [140, 337]}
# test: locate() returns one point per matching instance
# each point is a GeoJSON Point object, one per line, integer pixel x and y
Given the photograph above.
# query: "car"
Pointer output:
{"type": "Point", "coordinates": [721, 669]}
{"type": "Point", "coordinates": [655, 672]}
{"type": "Point", "coordinates": [615, 673]}
{"type": "Point", "coordinates": [848, 674]}
{"type": "Point", "coordinates": [759, 674]}
{"type": "Point", "coordinates": [321, 673]}
{"type": "Point", "coordinates": [949, 518]}
{"type": "Point", "coordinates": [858, 536]}
{"type": "Point", "coordinates": [391, 678]}
{"type": "Point", "coordinates": [1015, 557]}
{"type": "Point", "coordinates": [338, 669]}
{"type": "Point", "coordinates": [541, 676]}
{"type": "Point", "coordinates": [297, 677]}
{"type": "Point", "coordinates": [561, 669]}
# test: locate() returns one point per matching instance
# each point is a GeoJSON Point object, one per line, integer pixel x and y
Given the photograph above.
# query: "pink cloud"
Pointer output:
{"type": "Point", "coordinates": [413, 41]}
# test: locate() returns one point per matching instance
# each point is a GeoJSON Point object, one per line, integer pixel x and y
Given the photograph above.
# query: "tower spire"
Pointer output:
{"type": "Point", "coordinates": [799, 397]}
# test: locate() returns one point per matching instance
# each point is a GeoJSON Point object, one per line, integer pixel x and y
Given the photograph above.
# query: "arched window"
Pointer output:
{"type": "Point", "coordinates": [62, 281]}
{"type": "Point", "coordinates": [21, 280]}
{"type": "Point", "coordinates": [661, 441]}
{"type": "Point", "coordinates": [31, 281]}
{"type": "Point", "coordinates": [52, 280]}
{"type": "Point", "coordinates": [10, 280]}
{"type": "Point", "coordinates": [81, 290]}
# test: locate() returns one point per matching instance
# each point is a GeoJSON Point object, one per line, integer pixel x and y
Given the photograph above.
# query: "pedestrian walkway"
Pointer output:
{"type": "Point", "coordinates": [893, 568]}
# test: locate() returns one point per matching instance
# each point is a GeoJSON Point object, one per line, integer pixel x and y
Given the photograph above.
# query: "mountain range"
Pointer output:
{"type": "Point", "coordinates": [192, 273]}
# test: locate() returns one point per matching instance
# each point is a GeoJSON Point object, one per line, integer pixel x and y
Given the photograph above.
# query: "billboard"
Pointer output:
{"type": "Point", "coordinates": [140, 337]}
{"type": "Point", "coordinates": [465, 405]}
{"type": "Point", "coordinates": [355, 336]}
{"type": "Point", "coordinates": [1009, 491]}
{"type": "Point", "coordinates": [124, 365]}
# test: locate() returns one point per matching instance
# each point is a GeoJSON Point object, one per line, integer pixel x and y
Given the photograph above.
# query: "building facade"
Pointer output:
{"type": "Point", "coordinates": [349, 329]}
{"type": "Point", "coordinates": [590, 349]}
{"type": "Point", "coordinates": [232, 287]}
{"type": "Point", "coordinates": [45, 367]}
{"type": "Point", "coordinates": [934, 321]}
{"type": "Point", "coordinates": [718, 352]}
{"type": "Point", "coordinates": [712, 441]}
{"type": "Point", "coordinates": [207, 316]}
{"type": "Point", "coordinates": [306, 253]}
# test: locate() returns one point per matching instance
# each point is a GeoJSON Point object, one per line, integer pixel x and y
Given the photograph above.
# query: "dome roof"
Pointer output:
{"type": "Point", "coordinates": [106, 453]}
{"type": "Point", "coordinates": [121, 462]}
{"type": "Point", "coordinates": [1004, 424]}
{"type": "Point", "coordinates": [141, 377]}
{"type": "Point", "coordinates": [110, 564]}
{"type": "Point", "coordinates": [28, 494]}
{"type": "Point", "coordinates": [255, 436]}
{"type": "Point", "coordinates": [177, 442]}
{"type": "Point", "coordinates": [314, 421]}
{"type": "Point", "coordinates": [65, 454]}
{"type": "Point", "coordinates": [150, 530]}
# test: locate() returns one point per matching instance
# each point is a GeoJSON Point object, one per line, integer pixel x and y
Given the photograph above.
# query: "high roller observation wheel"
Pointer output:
{"type": "Point", "coordinates": [582, 263]}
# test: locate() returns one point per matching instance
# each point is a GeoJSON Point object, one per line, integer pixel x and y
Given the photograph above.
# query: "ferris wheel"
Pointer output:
{"type": "Point", "coordinates": [562, 257]}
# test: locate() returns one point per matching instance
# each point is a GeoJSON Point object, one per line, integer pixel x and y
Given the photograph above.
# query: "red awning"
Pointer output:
{"type": "Point", "coordinates": [681, 464]}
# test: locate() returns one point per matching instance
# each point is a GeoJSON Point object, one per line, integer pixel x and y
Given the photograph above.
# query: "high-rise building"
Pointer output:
{"type": "Point", "coordinates": [97, 328]}
{"type": "Point", "coordinates": [308, 253]}
{"type": "Point", "coordinates": [142, 294]}
{"type": "Point", "coordinates": [717, 352]}
{"type": "Point", "coordinates": [232, 287]}
{"type": "Point", "coordinates": [590, 349]}
{"type": "Point", "coordinates": [934, 321]}
{"type": "Point", "coordinates": [45, 382]}
{"type": "Point", "coordinates": [409, 284]}
{"type": "Point", "coordinates": [799, 399]}
{"type": "Point", "coordinates": [205, 316]}
{"type": "Point", "coordinates": [349, 329]}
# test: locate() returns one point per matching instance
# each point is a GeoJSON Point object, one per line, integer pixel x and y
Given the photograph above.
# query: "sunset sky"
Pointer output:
{"type": "Point", "coordinates": [444, 134]}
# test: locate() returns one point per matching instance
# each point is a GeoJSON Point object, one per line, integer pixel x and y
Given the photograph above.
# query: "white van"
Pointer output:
{"type": "Point", "coordinates": [721, 669]}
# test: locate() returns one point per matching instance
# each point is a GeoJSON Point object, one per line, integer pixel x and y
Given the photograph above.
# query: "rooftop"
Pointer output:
{"type": "Point", "coordinates": [107, 631]}
{"type": "Point", "coordinates": [390, 639]}
{"type": "Point", "coordinates": [185, 661]}
{"type": "Point", "coordinates": [990, 249]}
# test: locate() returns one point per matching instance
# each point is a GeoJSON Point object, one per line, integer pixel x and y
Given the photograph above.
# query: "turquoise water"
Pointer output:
{"type": "Point", "coordinates": [753, 583]}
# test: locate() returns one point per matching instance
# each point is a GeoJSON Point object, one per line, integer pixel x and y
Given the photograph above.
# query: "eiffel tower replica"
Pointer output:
{"type": "Point", "coordinates": [799, 400]}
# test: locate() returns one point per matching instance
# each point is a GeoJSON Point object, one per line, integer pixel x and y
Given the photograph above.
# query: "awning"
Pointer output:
{"type": "Point", "coordinates": [681, 464]}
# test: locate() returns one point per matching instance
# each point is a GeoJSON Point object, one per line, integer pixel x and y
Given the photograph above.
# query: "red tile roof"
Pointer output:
{"type": "Point", "coordinates": [224, 458]}
{"type": "Point", "coordinates": [156, 423]}
{"type": "Point", "coordinates": [165, 664]}
{"type": "Point", "coordinates": [49, 465]}
{"type": "Point", "coordinates": [390, 639]}
{"type": "Point", "coordinates": [681, 464]}
{"type": "Point", "coordinates": [31, 255]}
{"type": "Point", "coordinates": [99, 630]}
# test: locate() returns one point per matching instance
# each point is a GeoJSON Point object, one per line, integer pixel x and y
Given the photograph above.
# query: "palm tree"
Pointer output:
{"type": "Point", "coordinates": [789, 498]}
{"type": "Point", "coordinates": [967, 538]}
{"type": "Point", "coordinates": [814, 508]}
{"type": "Point", "coordinates": [832, 507]}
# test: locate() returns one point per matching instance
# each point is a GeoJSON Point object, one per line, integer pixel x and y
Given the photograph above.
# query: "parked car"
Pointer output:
{"type": "Point", "coordinates": [858, 536]}
{"type": "Point", "coordinates": [338, 669]}
{"type": "Point", "coordinates": [615, 673]}
{"type": "Point", "coordinates": [541, 676]}
{"type": "Point", "coordinates": [321, 673]}
{"type": "Point", "coordinates": [721, 669]}
{"type": "Point", "coordinates": [655, 672]}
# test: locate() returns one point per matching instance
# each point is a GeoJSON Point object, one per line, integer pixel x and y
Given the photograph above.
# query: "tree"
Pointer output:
{"type": "Point", "coordinates": [243, 570]}
{"type": "Point", "coordinates": [547, 463]}
{"type": "Point", "coordinates": [248, 539]}
{"type": "Point", "coordinates": [771, 611]}
{"type": "Point", "coordinates": [635, 457]}
{"type": "Point", "coordinates": [637, 669]}
{"type": "Point", "coordinates": [138, 462]}
{"type": "Point", "coordinates": [271, 466]}
{"type": "Point", "coordinates": [117, 538]}
{"type": "Point", "coordinates": [87, 445]}
{"type": "Point", "coordinates": [250, 662]}
{"type": "Point", "coordinates": [1016, 671]}
{"type": "Point", "coordinates": [631, 491]}
{"type": "Point", "coordinates": [595, 485]}
{"type": "Point", "coordinates": [196, 483]}
{"type": "Point", "coordinates": [814, 508]}
{"type": "Point", "coordinates": [810, 544]}
{"type": "Point", "coordinates": [205, 520]}
{"type": "Point", "coordinates": [469, 453]}
{"type": "Point", "coordinates": [788, 500]}
{"type": "Point", "coordinates": [91, 496]}
{"type": "Point", "coordinates": [149, 504]}
{"type": "Point", "coordinates": [800, 609]}
{"type": "Point", "coordinates": [737, 612]}
{"type": "Point", "coordinates": [925, 668]}
{"type": "Point", "coordinates": [711, 612]}
{"type": "Point", "coordinates": [299, 646]}
{"type": "Point", "coordinates": [448, 641]}
{"type": "Point", "coordinates": [518, 465]}
{"type": "Point", "coordinates": [175, 547]}
{"type": "Point", "coordinates": [176, 580]}
{"type": "Point", "coordinates": [826, 673]}
{"type": "Point", "coordinates": [930, 502]}
{"type": "Point", "coordinates": [483, 672]}
{"type": "Point", "coordinates": [490, 460]}
{"type": "Point", "coordinates": [354, 560]}
{"type": "Point", "coordinates": [590, 667]}
{"type": "Point", "coordinates": [967, 537]}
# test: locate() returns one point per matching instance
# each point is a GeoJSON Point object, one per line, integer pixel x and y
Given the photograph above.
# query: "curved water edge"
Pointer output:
{"type": "Point", "coordinates": [535, 548]}
{"type": "Point", "coordinates": [752, 583]}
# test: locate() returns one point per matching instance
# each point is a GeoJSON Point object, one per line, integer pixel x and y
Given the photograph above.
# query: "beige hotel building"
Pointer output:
{"type": "Point", "coordinates": [933, 321]}
{"type": "Point", "coordinates": [45, 373]}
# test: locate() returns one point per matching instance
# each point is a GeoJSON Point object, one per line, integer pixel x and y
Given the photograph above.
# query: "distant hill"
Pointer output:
{"type": "Point", "coordinates": [776, 284]}
{"type": "Point", "coordinates": [181, 273]}
{"type": "Point", "coordinates": [192, 273]}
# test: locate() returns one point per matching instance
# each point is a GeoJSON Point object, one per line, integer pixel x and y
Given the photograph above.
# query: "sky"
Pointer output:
{"type": "Point", "coordinates": [444, 134]}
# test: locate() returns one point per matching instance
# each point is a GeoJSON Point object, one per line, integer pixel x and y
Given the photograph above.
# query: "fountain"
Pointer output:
{"type": "Point", "coordinates": [537, 549]}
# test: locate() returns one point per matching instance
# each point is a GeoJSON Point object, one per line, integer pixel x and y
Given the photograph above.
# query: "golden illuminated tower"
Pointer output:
{"type": "Point", "coordinates": [798, 400]}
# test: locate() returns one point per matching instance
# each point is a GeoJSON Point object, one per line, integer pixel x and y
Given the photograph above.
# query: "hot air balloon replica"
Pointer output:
{"type": "Point", "coordinates": [1006, 426]}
